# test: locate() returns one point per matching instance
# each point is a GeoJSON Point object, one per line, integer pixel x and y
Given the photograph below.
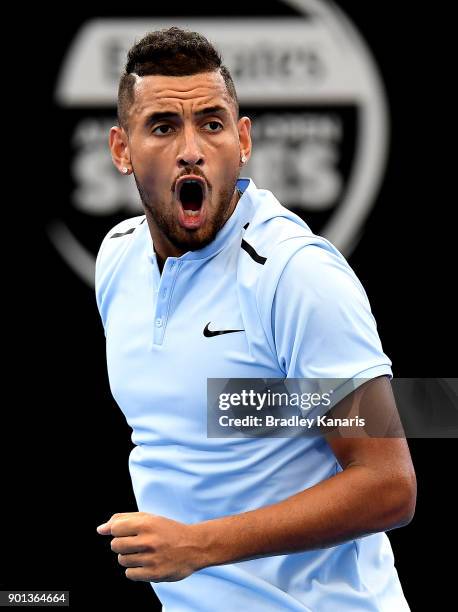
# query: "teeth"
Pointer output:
{"type": "Point", "coordinates": [191, 213]}
{"type": "Point", "coordinates": [191, 181]}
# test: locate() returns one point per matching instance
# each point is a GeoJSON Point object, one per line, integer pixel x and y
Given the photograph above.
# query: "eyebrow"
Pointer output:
{"type": "Point", "coordinates": [209, 110]}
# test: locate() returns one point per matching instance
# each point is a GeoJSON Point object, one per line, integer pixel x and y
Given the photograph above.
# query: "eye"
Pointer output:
{"type": "Point", "coordinates": [162, 129]}
{"type": "Point", "coordinates": [213, 126]}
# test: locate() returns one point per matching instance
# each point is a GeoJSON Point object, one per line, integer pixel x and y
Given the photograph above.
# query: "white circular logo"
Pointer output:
{"type": "Point", "coordinates": [309, 84]}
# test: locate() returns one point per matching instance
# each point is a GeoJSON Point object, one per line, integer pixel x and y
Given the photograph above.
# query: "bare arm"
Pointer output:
{"type": "Point", "coordinates": [376, 491]}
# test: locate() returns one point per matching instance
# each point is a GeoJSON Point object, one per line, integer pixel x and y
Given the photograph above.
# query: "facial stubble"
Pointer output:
{"type": "Point", "coordinates": [164, 217]}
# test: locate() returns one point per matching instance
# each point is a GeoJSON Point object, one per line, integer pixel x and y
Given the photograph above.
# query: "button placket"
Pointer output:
{"type": "Point", "coordinates": [163, 297]}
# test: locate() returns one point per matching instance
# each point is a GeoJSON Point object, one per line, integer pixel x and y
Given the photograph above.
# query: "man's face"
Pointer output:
{"type": "Point", "coordinates": [183, 127]}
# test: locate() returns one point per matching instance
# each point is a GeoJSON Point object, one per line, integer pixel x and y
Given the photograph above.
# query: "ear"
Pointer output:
{"type": "Point", "coordinates": [244, 129]}
{"type": "Point", "coordinates": [120, 150]}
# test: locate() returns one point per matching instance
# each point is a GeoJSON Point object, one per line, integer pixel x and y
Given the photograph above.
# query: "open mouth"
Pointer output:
{"type": "Point", "coordinates": [191, 196]}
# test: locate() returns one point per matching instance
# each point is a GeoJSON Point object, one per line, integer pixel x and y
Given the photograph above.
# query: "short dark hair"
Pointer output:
{"type": "Point", "coordinates": [169, 52]}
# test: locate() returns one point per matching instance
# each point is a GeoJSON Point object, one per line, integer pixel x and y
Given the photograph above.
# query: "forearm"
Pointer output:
{"type": "Point", "coordinates": [351, 504]}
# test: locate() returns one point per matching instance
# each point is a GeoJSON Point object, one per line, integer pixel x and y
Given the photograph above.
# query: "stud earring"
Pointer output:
{"type": "Point", "coordinates": [243, 159]}
{"type": "Point", "coordinates": [125, 170]}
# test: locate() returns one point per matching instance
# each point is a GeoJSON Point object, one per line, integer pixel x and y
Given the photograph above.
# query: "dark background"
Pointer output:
{"type": "Point", "coordinates": [66, 443]}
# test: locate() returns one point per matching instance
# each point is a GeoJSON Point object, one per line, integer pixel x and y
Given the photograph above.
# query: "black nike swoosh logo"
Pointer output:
{"type": "Point", "coordinates": [208, 333]}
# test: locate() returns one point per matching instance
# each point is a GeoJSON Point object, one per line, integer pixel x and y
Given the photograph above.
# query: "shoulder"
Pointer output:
{"type": "Point", "coordinates": [309, 276]}
{"type": "Point", "coordinates": [112, 249]}
{"type": "Point", "coordinates": [284, 256]}
{"type": "Point", "coordinates": [322, 270]}
{"type": "Point", "coordinates": [123, 228]}
{"type": "Point", "coordinates": [275, 233]}
{"type": "Point", "coordinates": [119, 234]}
{"type": "Point", "coordinates": [298, 261]}
{"type": "Point", "coordinates": [275, 239]}
{"type": "Point", "coordinates": [272, 224]}
{"type": "Point", "coordinates": [126, 227]}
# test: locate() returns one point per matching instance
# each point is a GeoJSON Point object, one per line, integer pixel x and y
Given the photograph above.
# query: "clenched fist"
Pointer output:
{"type": "Point", "coordinates": [153, 548]}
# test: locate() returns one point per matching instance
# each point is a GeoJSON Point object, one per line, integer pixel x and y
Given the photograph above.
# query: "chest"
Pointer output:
{"type": "Point", "coordinates": [166, 334]}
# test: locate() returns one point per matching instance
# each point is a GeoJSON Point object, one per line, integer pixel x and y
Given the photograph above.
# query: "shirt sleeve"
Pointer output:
{"type": "Point", "coordinates": [322, 322]}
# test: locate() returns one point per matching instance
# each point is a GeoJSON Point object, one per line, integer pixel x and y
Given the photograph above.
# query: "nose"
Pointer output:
{"type": "Point", "coordinates": [190, 153]}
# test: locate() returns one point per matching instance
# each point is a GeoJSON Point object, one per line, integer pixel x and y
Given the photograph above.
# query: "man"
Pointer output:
{"type": "Point", "coordinates": [222, 281]}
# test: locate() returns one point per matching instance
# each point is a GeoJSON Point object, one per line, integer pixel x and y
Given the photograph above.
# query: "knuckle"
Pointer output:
{"type": "Point", "coordinates": [144, 546]}
{"type": "Point", "coordinates": [150, 545]}
{"type": "Point", "coordinates": [144, 522]}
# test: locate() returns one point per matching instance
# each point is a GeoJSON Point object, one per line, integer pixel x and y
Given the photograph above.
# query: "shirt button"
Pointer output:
{"type": "Point", "coordinates": [158, 322]}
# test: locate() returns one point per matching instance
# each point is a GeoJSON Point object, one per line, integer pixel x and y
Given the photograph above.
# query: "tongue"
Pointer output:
{"type": "Point", "coordinates": [191, 205]}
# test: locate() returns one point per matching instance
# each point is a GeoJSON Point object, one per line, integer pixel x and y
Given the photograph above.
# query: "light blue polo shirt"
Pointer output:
{"type": "Point", "coordinates": [303, 313]}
